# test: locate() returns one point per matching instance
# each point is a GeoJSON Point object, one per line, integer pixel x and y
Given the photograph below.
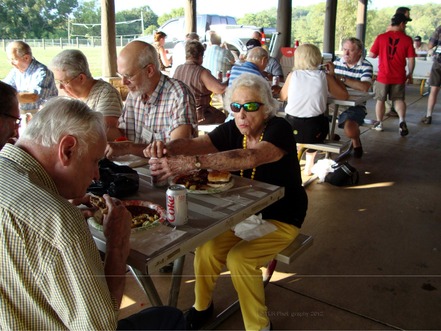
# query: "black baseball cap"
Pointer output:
{"type": "Point", "coordinates": [417, 38]}
{"type": "Point", "coordinates": [403, 10]}
{"type": "Point", "coordinates": [253, 43]}
{"type": "Point", "coordinates": [397, 19]}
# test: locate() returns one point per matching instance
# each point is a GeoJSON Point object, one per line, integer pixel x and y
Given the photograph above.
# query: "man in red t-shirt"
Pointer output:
{"type": "Point", "coordinates": [393, 49]}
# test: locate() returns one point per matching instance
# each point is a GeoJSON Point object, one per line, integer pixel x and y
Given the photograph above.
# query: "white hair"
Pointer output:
{"type": "Point", "coordinates": [254, 82]}
{"type": "Point", "coordinates": [63, 116]}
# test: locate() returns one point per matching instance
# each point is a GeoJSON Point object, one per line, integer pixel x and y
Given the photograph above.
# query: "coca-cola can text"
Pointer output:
{"type": "Point", "coordinates": [177, 208]}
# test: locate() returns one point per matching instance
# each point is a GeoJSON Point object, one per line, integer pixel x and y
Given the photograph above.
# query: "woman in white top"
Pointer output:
{"type": "Point", "coordinates": [306, 89]}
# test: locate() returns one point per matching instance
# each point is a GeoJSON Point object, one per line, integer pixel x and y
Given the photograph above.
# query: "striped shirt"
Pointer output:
{"type": "Point", "coordinates": [362, 71]}
{"type": "Point", "coordinates": [38, 79]}
{"type": "Point", "coordinates": [217, 58]}
{"type": "Point", "coordinates": [190, 73]}
{"type": "Point", "coordinates": [246, 67]}
{"type": "Point", "coordinates": [51, 275]}
{"type": "Point", "coordinates": [171, 105]}
{"type": "Point", "coordinates": [103, 97]}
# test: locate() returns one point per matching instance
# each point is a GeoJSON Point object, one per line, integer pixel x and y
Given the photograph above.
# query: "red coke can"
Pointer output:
{"type": "Point", "coordinates": [177, 208]}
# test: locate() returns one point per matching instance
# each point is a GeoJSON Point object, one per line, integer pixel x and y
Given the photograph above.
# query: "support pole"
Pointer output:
{"type": "Point", "coordinates": [108, 37]}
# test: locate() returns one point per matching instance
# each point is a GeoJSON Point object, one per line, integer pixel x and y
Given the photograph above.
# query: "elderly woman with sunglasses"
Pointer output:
{"type": "Point", "coordinates": [257, 145]}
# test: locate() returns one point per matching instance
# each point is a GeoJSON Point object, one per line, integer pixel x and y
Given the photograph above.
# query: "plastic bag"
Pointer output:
{"type": "Point", "coordinates": [322, 167]}
{"type": "Point", "coordinates": [117, 181]}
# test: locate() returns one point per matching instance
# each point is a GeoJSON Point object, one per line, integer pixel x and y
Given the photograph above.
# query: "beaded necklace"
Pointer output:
{"type": "Point", "coordinates": [244, 145]}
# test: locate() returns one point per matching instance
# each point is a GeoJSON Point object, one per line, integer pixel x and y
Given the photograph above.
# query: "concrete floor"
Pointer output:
{"type": "Point", "coordinates": [376, 259]}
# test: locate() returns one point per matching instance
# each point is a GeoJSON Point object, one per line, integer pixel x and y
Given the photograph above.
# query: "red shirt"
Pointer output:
{"type": "Point", "coordinates": [392, 48]}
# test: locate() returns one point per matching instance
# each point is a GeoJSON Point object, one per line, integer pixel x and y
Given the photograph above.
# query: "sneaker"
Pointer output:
{"type": "Point", "coordinates": [426, 120]}
{"type": "Point", "coordinates": [358, 151]}
{"type": "Point", "coordinates": [403, 129]}
{"type": "Point", "coordinates": [378, 126]}
{"type": "Point", "coordinates": [196, 319]}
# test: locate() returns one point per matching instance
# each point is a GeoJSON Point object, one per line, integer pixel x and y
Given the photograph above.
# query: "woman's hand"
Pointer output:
{"type": "Point", "coordinates": [155, 149]}
{"type": "Point", "coordinates": [166, 167]}
{"type": "Point", "coordinates": [330, 68]}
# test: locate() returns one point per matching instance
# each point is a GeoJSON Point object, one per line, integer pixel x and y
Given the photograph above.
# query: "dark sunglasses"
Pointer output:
{"type": "Point", "coordinates": [248, 106]}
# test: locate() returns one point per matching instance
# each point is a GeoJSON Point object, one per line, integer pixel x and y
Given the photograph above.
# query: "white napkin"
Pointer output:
{"type": "Point", "coordinates": [253, 227]}
{"type": "Point", "coordinates": [322, 168]}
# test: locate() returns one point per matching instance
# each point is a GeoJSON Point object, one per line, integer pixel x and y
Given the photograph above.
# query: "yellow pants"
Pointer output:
{"type": "Point", "coordinates": [244, 260]}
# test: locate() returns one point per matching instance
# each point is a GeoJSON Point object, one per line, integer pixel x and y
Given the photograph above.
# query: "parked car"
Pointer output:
{"type": "Point", "coordinates": [174, 28]}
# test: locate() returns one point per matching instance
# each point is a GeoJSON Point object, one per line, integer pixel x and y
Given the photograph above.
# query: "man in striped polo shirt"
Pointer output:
{"type": "Point", "coordinates": [356, 73]}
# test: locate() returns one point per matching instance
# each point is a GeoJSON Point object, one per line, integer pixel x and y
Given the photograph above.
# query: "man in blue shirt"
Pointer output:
{"type": "Point", "coordinates": [356, 73]}
{"type": "Point", "coordinates": [33, 81]}
{"type": "Point", "coordinates": [216, 57]}
{"type": "Point", "coordinates": [256, 61]}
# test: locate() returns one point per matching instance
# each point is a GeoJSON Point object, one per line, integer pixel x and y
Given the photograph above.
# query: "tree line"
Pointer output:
{"type": "Point", "coordinates": [49, 19]}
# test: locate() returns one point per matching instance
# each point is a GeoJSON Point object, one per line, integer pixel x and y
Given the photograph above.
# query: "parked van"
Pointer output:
{"type": "Point", "coordinates": [175, 28]}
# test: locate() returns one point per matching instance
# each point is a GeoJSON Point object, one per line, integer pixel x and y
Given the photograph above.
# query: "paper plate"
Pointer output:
{"type": "Point", "coordinates": [132, 206]}
{"type": "Point", "coordinates": [202, 188]}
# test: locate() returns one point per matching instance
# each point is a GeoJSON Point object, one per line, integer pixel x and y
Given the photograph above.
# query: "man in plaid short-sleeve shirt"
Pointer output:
{"type": "Point", "coordinates": [157, 107]}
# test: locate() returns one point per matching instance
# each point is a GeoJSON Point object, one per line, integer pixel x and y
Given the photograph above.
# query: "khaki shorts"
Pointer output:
{"type": "Point", "coordinates": [435, 74]}
{"type": "Point", "coordinates": [394, 91]}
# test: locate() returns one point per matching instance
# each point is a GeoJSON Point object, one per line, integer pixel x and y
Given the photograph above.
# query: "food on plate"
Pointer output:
{"type": "Point", "coordinates": [197, 180]}
{"type": "Point", "coordinates": [203, 180]}
{"type": "Point", "coordinates": [218, 178]}
{"type": "Point", "coordinates": [99, 203]}
{"type": "Point", "coordinates": [142, 214]}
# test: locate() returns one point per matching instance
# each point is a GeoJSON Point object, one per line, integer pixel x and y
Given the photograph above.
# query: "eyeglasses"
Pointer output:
{"type": "Point", "coordinates": [65, 82]}
{"type": "Point", "coordinates": [131, 77]}
{"type": "Point", "coordinates": [17, 119]}
{"type": "Point", "coordinates": [249, 107]}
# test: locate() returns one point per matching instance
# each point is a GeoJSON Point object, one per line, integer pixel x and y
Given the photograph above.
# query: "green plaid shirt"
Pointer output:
{"type": "Point", "coordinates": [51, 275]}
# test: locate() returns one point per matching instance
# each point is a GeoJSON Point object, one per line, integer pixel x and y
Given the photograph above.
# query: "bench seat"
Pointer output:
{"type": "Point", "coordinates": [328, 146]}
{"type": "Point", "coordinates": [297, 247]}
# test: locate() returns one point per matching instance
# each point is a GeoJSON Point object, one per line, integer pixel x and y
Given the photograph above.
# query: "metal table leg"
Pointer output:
{"type": "Point", "coordinates": [146, 283]}
{"type": "Point", "coordinates": [175, 286]}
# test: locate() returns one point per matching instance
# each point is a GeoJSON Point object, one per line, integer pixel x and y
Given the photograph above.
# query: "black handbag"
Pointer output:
{"type": "Point", "coordinates": [115, 180]}
{"type": "Point", "coordinates": [344, 175]}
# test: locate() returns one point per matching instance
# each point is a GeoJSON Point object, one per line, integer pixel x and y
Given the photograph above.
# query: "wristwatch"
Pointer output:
{"type": "Point", "coordinates": [197, 163]}
{"type": "Point", "coordinates": [343, 79]}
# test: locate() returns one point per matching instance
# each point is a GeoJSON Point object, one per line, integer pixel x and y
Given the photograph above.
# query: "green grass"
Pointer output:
{"type": "Point", "coordinates": [45, 55]}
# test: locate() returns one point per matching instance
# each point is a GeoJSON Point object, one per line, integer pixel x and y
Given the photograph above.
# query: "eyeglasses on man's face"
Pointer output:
{"type": "Point", "coordinates": [17, 119]}
{"type": "Point", "coordinates": [65, 82]}
{"type": "Point", "coordinates": [249, 107]}
{"type": "Point", "coordinates": [131, 77]}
